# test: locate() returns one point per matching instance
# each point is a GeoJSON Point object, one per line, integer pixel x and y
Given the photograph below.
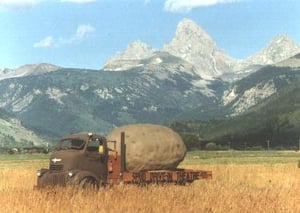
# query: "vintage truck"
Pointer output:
{"type": "Point", "coordinates": [86, 160]}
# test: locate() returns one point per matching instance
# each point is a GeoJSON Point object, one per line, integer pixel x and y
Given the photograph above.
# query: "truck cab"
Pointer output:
{"type": "Point", "coordinates": [78, 159]}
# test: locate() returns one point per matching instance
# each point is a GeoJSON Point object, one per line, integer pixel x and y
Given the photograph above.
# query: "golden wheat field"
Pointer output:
{"type": "Point", "coordinates": [273, 187]}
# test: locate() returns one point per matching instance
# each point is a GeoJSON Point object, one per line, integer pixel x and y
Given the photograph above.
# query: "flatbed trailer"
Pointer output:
{"type": "Point", "coordinates": [117, 172]}
{"type": "Point", "coordinates": [178, 176]}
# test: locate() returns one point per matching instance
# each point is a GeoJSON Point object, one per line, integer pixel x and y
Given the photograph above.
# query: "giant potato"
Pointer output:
{"type": "Point", "coordinates": [150, 147]}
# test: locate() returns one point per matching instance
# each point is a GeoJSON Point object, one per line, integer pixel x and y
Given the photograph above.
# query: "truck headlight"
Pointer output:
{"type": "Point", "coordinates": [70, 174]}
{"type": "Point", "coordinates": [39, 173]}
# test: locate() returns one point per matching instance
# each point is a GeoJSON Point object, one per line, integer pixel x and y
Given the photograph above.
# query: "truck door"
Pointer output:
{"type": "Point", "coordinates": [96, 157]}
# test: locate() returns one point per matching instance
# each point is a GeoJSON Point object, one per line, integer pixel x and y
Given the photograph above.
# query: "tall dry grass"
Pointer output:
{"type": "Point", "coordinates": [234, 188]}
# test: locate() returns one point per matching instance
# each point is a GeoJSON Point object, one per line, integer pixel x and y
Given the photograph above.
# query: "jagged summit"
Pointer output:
{"type": "Point", "coordinates": [134, 52]}
{"type": "Point", "coordinates": [188, 30]}
{"type": "Point", "coordinates": [194, 45]}
{"type": "Point", "coordinates": [280, 48]}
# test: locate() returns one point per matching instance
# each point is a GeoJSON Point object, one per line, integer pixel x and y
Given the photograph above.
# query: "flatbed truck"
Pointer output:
{"type": "Point", "coordinates": [86, 160]}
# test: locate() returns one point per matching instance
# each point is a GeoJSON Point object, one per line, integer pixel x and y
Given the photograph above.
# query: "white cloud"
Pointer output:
{"type": "Point", "coordinates": [79, 1]}
{"type": "Point", "coordinates": [18, 4]}
{"type": "Point", "coordinates": [187, 5]}
{"type": "Point", "coordinates": [46, 42]}
{"type": "Point", "coordinates": [84, 30]}
{"type": "Point", "coordinates": [26, 4]}
{"type": "Point", "coordinates": [82, 33]}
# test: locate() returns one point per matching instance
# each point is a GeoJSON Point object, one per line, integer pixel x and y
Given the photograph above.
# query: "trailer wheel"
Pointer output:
{"type": "Point", "coordinates": [89, 183]}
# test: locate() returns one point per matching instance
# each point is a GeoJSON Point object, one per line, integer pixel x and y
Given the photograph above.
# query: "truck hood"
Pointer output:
{"type": "Point", "coordinates": [65, 160]}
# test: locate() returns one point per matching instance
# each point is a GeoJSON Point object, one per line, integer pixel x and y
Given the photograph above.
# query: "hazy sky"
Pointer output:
{"type": "Point", "coordinates": [86, 33]}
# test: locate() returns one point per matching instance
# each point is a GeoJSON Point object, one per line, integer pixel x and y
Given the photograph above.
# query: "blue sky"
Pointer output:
{"type": "Point", "coordinates": [86, 33]}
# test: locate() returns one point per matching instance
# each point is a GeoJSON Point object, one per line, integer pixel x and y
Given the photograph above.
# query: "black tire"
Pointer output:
{"type": "Point", "coordinates": [89, 183]}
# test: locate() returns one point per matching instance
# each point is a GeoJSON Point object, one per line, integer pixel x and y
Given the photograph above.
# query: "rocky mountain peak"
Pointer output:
{"type": "Point", "coordinates": [190, 39]}
{"type": "Point", "coordinates": [194, 45]}
{"type": "Point", "coordinates": [280, 48]}
{"type": "Point", "coordinates": [188, 30]}
{"type": "Point", "coordinates": [135, 51]}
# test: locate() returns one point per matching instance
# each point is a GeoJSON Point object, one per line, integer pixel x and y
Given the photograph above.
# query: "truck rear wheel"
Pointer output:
{"type": "Point", "coordinates": [89, 183]}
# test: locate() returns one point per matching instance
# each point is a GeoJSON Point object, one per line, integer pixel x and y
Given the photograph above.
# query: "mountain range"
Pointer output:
{"type": "Point", "coordinates": [192, 44]}
{"type": "Point", "coordinates": [189, 78]}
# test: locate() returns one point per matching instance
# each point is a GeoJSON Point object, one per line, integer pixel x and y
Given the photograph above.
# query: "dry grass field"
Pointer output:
{"type": "Point", "coordinates": [235, 187]}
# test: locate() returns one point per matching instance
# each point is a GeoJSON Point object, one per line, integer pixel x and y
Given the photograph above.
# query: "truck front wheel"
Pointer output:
{"type": "Point", "coordinates": [89, 183]}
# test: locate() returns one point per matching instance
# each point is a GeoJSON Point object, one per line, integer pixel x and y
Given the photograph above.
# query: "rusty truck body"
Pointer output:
{"type": "Point", "coordinates": [86, 160]}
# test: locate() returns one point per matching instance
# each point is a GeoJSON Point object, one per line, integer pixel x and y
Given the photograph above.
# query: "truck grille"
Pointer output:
{"type": "Point", "coordinates": [59, 179]}
{"type": "Point", "coordinates": [52, 179]}
{"type": "Point", "coordinates": [54, 167]}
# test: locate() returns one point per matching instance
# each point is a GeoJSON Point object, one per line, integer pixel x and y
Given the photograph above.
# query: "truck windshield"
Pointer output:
{"type": "Point", "coordinates": [70, 144]}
